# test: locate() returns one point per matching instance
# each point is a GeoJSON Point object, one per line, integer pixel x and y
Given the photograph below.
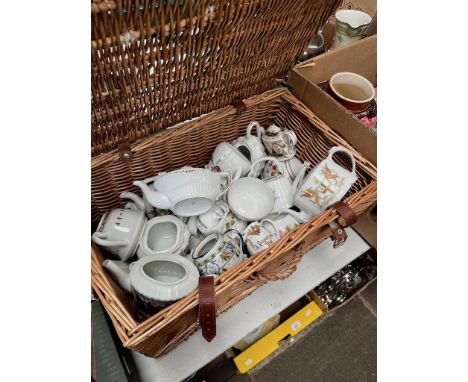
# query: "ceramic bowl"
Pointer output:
{"type": "Point", "coordinates": [164, 235]}
{"type": "Point", "coordinates": [250, 199]}
{"type": "Point", "coordinates": [352, 90]}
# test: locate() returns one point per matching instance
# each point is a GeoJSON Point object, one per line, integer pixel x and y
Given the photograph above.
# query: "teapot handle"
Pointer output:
{"type": "Point", "coordinates": [260, 130]}
{"type": "Point", "coordinates": [227, 174]}
{"type": "Point", "coordinates": [292, 137]}
{"type": "Point", "coordinates": [265, 159]}
{"type": "Point", "coordinates": [239, 235]}
{"type": "Point", "coordinates": [300, 177]}
{"type": "Point", "coordinates": [100, 238]}
{"type": "Point", "coordinates": [337, 149]}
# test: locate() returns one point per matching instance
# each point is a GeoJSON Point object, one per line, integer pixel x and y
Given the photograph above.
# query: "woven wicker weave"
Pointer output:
{"type": "Point", "coordinates": [128, 104]}
{"type": "Point", "coordinates": [157, 63]}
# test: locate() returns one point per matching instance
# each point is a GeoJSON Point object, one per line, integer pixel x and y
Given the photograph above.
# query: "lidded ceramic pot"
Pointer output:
{"type": "Point", "coordinates": [155, 281]}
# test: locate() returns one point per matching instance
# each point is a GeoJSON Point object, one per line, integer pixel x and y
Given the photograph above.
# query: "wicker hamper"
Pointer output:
{"type": "Point", "coordinates": [158, 63]}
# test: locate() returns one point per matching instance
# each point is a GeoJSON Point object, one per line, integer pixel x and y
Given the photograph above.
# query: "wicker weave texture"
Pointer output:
{"type": "Point", "coordinates": [158, 63]}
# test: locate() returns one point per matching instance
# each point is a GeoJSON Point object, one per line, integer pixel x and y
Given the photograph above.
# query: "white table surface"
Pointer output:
{"type": "Point", "coordinates": [268, 300]}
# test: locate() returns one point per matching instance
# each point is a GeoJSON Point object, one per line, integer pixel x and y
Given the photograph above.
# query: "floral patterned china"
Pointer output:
{"type": "Point", "coordinates": [217, 253]}
{"type": "Point", "coordinates": [257, 238]}
{"type": "Point", "coordinates": [280, 143]}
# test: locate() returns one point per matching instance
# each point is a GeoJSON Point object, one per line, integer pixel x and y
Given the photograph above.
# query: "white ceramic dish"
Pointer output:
{"type": "Point", "coordinates": [164, 235]}
{"type": "Point", "coordinates": [250, 199]}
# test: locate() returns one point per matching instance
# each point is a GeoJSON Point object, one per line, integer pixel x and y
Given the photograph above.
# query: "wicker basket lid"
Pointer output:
{"type": "Point", "coordinates": [155, 64]}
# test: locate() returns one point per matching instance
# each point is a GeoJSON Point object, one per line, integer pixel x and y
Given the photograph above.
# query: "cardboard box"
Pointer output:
{"type": "Point", "coordinates": [361, 58]}
{"type": "Point", "coordinates": [366, 226]}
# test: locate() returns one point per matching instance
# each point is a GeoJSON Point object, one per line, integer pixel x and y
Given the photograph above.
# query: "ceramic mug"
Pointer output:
{"type": "Point", "coordinates": [257, 238]}
{"type": "Point", "coordinates": [280, 143]}
{"type": "Point", "coordinates": [327, 184]}
{"type": "Point", "coordinates": [350, 26]}
{"type": "Point", "coordinates": [353, 91]}
{"type": "Point", "coordinates": [281, 223]}
{"type": "Point", "coordinates": [282, 187]}
{"type": "Point", "coordinates": [251, 146]}
{"type": "Point", "coordinates": [228, 158]}
{"type": "Point", "coordinates": [164, 235]}
{"type": "Point", "coordinates": [119, 231]}
{"type": "Point", "coordinates": [217, 253]}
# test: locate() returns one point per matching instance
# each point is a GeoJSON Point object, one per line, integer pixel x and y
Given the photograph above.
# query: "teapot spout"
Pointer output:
{"type": "Point", "coordinates": [121, 271]}
{"type": "Point", "coordinates": [155, 198]}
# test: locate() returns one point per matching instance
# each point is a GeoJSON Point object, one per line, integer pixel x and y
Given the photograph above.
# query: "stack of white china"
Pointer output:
{"type": "Point", "coordinates": [240, 202]}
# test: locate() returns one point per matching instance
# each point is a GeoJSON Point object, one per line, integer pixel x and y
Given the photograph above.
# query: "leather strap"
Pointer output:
{"type": "Point", "coordinates": [207, 312]}
{"type": "Point", "coordinates": [339, 235]}
{"type": "Point", "coordinates": [239, 105]}
{"type": "Point", "coordinates": [346, 212]}
{"type": "Point", "coordinates": [125, 151]}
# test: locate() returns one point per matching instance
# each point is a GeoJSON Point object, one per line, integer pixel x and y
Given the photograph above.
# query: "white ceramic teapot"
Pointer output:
{"type": "Point", "coordinates": [251, 146]}
{"type": "Point", "coordinates": [156, 280]}
{"type": "Point", "coordinates": [119, 230]}
{"type": "Point", "coordinates": [325, 185]}
{"type": "Point", "coordinates": [186, 192]}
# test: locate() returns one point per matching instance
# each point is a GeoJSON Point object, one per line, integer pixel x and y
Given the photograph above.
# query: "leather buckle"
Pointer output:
{"type": "Point", "coordinates": [339, 234]}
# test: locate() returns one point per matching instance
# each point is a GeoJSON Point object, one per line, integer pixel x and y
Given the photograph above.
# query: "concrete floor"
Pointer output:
{"type": "Point", "coordinates": [342, 346]}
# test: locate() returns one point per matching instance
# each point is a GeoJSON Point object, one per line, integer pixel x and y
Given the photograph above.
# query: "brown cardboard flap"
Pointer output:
{"type": "Point", "coordinates": [360, 58]}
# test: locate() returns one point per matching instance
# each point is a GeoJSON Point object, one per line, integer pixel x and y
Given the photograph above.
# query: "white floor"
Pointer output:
{"type": "Point", "coordinates": [266, 301]}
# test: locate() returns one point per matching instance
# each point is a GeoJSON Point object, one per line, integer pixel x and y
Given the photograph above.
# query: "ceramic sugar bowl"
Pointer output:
{"type": "Point", "coordinates": [217, 253]}
{"type": "Point", "coordinates": [119, 231]}
{"type": "Point", "coordinates": [164, 235]}
{"type": "Point", "coordinates": [279, 143]}
{"type": "Point", "coordinates": [251, 146]}
{"type": "Point", "coordinates": [155, 281]}
{"type": "Point", "coordinates": [326, 184]}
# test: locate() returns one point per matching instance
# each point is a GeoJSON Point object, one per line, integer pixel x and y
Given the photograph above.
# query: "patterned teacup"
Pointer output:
{"type": "Point", "coordinates": [257, 238]}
